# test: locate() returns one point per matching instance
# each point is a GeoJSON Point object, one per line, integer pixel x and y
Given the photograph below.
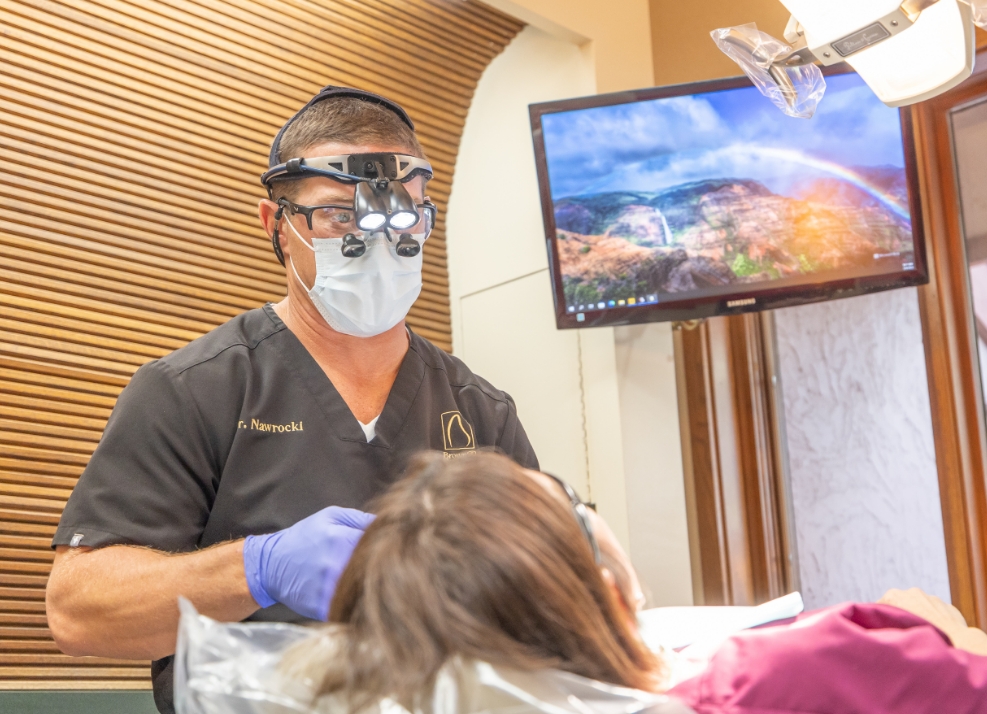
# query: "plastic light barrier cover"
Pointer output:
{"type": "Point", "coordinates": [979, 8]}
{"type": "Point", "coordinates": [794, 90]}
{"type": "Point", "coordinates": [253, 668]}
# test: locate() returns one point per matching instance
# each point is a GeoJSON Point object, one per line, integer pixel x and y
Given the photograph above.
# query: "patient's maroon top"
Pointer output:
{"type": "Point", "coordinates": [846, 659]}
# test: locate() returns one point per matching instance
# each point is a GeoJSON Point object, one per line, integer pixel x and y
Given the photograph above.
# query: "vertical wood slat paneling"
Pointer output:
{"type": "Point", "coordinates": [132, 133]}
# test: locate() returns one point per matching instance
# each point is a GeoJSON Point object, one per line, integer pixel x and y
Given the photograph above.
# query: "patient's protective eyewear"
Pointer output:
{"type": "Point", "coordinates": [581, 510]}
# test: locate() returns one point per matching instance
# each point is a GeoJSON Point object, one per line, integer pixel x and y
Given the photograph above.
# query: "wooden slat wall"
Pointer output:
{"type": "Point", "coordinates": [132, 133]}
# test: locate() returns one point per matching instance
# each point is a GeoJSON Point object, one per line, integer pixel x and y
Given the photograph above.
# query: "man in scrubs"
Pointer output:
{"type": "Point", "coordinates": [233, 471]}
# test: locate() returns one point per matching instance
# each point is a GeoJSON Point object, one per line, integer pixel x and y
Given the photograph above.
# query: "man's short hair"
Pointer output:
{"type": "Point", "coordinates": [344, 120]}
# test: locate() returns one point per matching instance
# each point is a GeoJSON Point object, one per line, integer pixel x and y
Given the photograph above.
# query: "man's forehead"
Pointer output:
{"type": "Point", "coordinates": [337, 148]}
{"type": "Point", "coordinates": [318, 190]}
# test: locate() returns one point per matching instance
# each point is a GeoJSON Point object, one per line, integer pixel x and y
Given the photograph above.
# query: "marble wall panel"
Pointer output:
{"type": "Point", "coordinates": [861, 451]}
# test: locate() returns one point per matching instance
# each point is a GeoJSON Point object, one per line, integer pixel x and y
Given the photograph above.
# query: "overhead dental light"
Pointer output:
{"type": "Point", "coordinates": [905, 51]}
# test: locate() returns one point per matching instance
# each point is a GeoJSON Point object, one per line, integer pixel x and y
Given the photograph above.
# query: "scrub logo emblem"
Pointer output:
{"type": "Point", "coordinates": [457, 433]}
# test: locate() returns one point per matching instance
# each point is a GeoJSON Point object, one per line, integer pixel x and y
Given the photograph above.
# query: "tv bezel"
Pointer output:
{"type": "Point", "coordinates": [699, 307]}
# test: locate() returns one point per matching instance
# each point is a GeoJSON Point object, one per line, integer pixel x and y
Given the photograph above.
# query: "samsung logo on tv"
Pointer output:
{"type": "Point", "coordinates": [741, 302]}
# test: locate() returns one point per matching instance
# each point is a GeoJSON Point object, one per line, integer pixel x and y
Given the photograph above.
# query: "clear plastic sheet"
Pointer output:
{"type": "Point", "coordinates": [241, 668]}
{"type": "Point", "coordinates": [979, 8]}
{"type": "Point", "coordinates": [796, 90]}
{"type": "Point", "coordinates": [236, 667]}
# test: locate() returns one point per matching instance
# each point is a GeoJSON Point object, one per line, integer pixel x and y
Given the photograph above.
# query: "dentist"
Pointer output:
{"type": "Point", "coordinates": [233, 470]}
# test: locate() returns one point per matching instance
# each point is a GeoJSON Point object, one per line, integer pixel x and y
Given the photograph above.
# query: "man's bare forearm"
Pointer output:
{"type": "Point", "coordinates": [122, 601]}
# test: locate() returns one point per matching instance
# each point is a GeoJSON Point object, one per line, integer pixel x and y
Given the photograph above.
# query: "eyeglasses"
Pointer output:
{"type": "Point", "coordinates": [336, 221]}
{"type": "Point", "coordinates": [581, 510]}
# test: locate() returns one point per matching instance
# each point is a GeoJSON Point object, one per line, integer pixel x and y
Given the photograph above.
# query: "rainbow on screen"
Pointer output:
{"type": "Point", "coordinates": [681, 194]}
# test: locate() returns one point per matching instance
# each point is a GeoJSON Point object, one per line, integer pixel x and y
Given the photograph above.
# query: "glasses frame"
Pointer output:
{"type": "Point", "coordinates": [580, 509]}
{"type": "Point", "coordinates": [307, 211]}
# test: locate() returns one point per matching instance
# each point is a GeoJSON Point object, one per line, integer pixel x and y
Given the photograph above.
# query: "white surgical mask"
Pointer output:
{"type": "Point", "coordinates": [362, 296]}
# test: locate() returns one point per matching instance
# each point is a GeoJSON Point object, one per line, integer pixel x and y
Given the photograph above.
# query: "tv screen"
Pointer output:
{"type": "Point", "coordinates": [685, 202]}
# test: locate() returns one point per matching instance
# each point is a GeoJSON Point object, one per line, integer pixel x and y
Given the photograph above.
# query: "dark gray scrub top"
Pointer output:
{"type": "Point", "coordinates": [240, 432]}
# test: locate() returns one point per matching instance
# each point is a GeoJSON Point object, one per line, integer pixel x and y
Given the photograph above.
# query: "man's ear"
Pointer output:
{"type": "Point", "coordinates": [269, 213]}
{"type": "Point", "coordinates": [266, 210]}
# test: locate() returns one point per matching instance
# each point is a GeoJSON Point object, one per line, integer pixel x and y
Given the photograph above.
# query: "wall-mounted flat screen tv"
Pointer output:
{"type": "Point", "coordinates": [685, 202]}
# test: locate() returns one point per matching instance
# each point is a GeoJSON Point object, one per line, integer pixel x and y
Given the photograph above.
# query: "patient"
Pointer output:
{"type": "Point", "coordinates": [479, 558]}
{"type": "Point", "coordinates": [476, 558]}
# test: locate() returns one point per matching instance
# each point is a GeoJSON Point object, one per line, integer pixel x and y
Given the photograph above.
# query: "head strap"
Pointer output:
{"type": "Point", "coordinates": [331, 92]}
{"type": "Point", "coordinates": [351, 168]}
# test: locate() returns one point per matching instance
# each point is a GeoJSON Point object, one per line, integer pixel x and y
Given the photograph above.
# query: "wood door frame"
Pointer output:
{"type": "Point", "coordinates": [736, 483]}
{"type": "Point", "coordinates": [952, 364]}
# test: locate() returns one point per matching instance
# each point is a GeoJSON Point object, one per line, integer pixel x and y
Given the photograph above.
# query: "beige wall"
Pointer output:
{"type": "Point", "coordinates": [600, 411]}
{"type": "Point", "coordinates": [503, 318]}
{"type": "Point", "coordinates": [683, 50]}
{"type": "Point", "coordinates": [575, 390]}
{"type": "Point", "coordinates": [565, 383]}
{"type": "Point", "coordinates": [616, 35]}
{"type": "Point", "coordinates": [614, 43]}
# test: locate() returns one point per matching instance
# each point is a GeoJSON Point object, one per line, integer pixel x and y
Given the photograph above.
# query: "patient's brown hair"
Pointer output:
{"type": "Point", "coordinates": [472, 557]}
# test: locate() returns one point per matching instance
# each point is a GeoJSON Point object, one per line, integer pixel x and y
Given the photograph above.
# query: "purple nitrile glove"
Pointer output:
{"type": "Point", "coordinates": [300, 566]}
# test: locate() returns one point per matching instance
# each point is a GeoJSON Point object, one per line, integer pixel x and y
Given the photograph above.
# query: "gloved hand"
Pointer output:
{"type": "Point", "coordinates": [300, 566]}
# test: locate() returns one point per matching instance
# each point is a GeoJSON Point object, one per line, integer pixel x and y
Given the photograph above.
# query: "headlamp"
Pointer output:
{"type": "Point", "coordinates": [356, 168]}
{"type": "Point", "coordinates": [370, 207]}
{"type": "Point", "coordinates": [380, 201]}
{"type": "Point", "coordinates": [384, 203]}
{"type": "Point", "coordinates": [402, 211]}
